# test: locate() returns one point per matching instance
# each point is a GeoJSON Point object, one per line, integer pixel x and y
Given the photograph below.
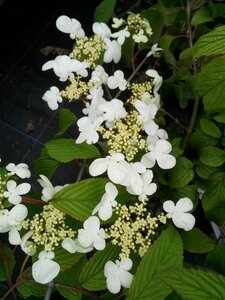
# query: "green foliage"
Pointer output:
{"type": "Point", "coordinates": [66, 119]}
{"type": "Point", "coordinates": [104, 11]}
{"type": "Point", "coordinates": [8, 262]}
{"type": "Point", "coordinates": [215, 260]}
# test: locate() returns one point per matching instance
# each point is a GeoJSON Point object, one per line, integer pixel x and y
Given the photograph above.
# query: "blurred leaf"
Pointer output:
{"type": "Point", "coordinates": [45, 165]}
{"type": "Point", "coordinates": [66, 259]}
{"type": "Point", "coordinates": [200, 140]}
{"type": "Point", "coordinates": [220, 118]}
{"type": "Point", "coordinates": [189, 191]}
{"type": "Point", "coordinates": [69, 294]}
{"type": "Point", "coordinates": [212, 156]}
{"type": "Point", "coordinates": [11, 261]}
{"type": "Point", "coordinates": [66, 119]}
{"type": "Point", "coordinates": [181, 174]}
{"type": "Point", "coordinates": [216, 259]}
{"type": "Point", "coordinates": [176, 147]}
{"type": "Point", "coordinates": [202, 15]}
{"type": "Point", "coordinates": [104, 11]}
{"type": "Point", "coordinates": [164, 43]}
{"type": "Point", "coordinates": [156, 22]}
{"type": "Point", "coordinates": [210, 128]}
{"type": "Point", "coordinates": [204, 171]}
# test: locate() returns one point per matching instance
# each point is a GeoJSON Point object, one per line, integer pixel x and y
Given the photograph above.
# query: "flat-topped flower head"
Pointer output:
{"type": "Point", "coordinates": [179, 213]}
{"type": "Point", "coordinates": [52, 97]}
{"type": "Point", "coordinates": [45, 269]}
{"type": "Point", "coordinates": [70, 26]}
{"type": "Point", "coordinates": [21, 170]}
{"type": "Point", "coordinates": [92, 235]}
{"type": "Point", "coordinates": [14, 191]}
{"type": "Point", "coordinates": [117, 274]}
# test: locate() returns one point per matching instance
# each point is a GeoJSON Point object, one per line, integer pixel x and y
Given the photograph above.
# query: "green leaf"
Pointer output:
{"type": "Point", "coordinates": [65, 259]}
{"type": "Point", "coordinates": [202, 15]}
{"type": "Point", "coordinates": [210, 128]}
{"type": "Point", "coordinates": [210, 83]}
{"type": "Point", "coordinates": [220, 118]}
{"type": "Point", "coordinates": [69, 294]}
{"type": "Point", "coordinates": [66, 150]}
{"type": "Point", "coordinates": [195, 284]}
{"type": "Point", "coordinates": [200, 140]}
{"type": "Point", "coordinates": [196, 241]}
{"type": "Point", "coordinates": [213, 200]}
{"type": "Point", "coordinates": [204, 171]}
{"type": "Point", "coordinates": [45, 165]}
{"type": "Point", "coordinates": [10, 258]}
{"type": "Point", "coordinates": [92, 276]}
{"type": "Point", "coordinates": [181, 174]}
{"type": "Point", "coordinates": [166, 253]}
{"type": "Point", "coordinates": [176, 147]}
{"type": "Point", "coordinates": [216, 259]}
{"type": "Point", "coordinates": [66, 119]}
{"type": "Point", "coordinates": [212, 156]}
{"type": "Point", "coordinates": [164, 43]}
{"type": "Point", "coordinates": [212, 43]}
{"type": "Point", "coordinates": [104, 11]}
{"type": "Point", "coordinates": [156, 22]}
{"type": "Point", "coordinates": [189, 191]}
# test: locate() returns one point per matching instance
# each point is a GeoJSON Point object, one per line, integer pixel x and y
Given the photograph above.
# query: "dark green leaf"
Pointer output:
{"type": "Point", "coordinates": [156, 22]}
{"type": "Point", "coordinates": [65, 259]}
{"type": "Point", "coordinates": [202, 15]}
{"type": "Point", "coordinates": [104, 11]}
{"type": "Point", "coordinates": [216, 259]}
{"type": "Point", "coordinates": [200, 140]}
{"type": "Point", "coordinates": [210, 128]}
{"type": "Point", "coordinates": [212, 156]}
{"type": "Point", "coordinates": [181, 174]}
{"type": "Point", "coordinates": [69, 293]}
{"type": "Point", "coordinates": [66, 119]}
{"type": "Point", "coordinates": [204, 171]}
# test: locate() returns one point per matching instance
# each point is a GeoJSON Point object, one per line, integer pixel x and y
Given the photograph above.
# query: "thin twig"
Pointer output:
{"type": "Point", "coordinates": [24, 265]}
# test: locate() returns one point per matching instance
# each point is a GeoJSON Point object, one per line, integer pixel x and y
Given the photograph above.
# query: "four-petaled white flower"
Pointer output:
{"type": "Point", "coordinates": [112, 164]}
{"type": "Point", "coordinates": [88, 130]}
{"type": "Point", "coordinates": [64, 66]}
{"type": "Point", "coordinates": [21, 170]}
{"type": "Point", "coordinates": [113, 51]}
{"type": "Point", "coordinates": [45, 269]}
{"type": "Point", "coordinates": [102, 30]}
{"type": "Point", "coordinates": [117, 81]}
{"type": "Point", "coordinates": [99, 76]}
{"type": "Point", "coordinates": [157, 82]}
{"type": "Point", "coordinates": [48, 190]}
{"type": "Point", "coordinates": [74, 246]}
{"type": "Point", "coordinates": [70, 26]}
{"type": "Point", "coordinates": [15, 191]}
{"type": "Point", "coordinates": [117, 22]}
{"type": "Point", "coordinates": [179, 213]}
{"type": "Point", "coordinates": [92, 235]}
{"type": "Point", "coordinates": [140, 37]}
{"type": "Point", "coordinates": [161, 134]}
{"type": "Point", "coordinates": [96, 97]}
{"type": "Point", "coordinates": [153, 50]}
{"type": "Point", "coordinates": [147, 111]}
{"type": "Point", "coordinates": [160, 153]}
{"type": "Point", "coordinates": [121, 35]}
{"type": "Point", "coordinates": [52, 97]}
{"type": "Point", "coordinates": [117, 274]}
{"type": "Point", "coordinates": [104, 208]}
{"type": "Point", "coordinates": [10, 221]}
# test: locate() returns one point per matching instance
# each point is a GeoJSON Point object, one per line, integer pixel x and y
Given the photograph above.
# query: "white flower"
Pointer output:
{"type": "Point", "coordinates": [70, 26]}
{"type": "Point", "coordinates": [48, 190]}
{"type": "Point", "coordinates": [102, 30]}
{"type": "Point", "coordinates": [52, 97]}
{"type": "Point", "coordinates": [21, 170]}
{"type": "Point", "coordinates": [153, 50]}
{"type": "Point", "coordinates": [121, 35]}
{"type": "Point", "coordinates": [28, 247]}
{"type": "Point", "coordinates": [88, 130]}
{"type": "Point", "coordinates": [96, 96]}
{"type": "Point", "coordinates": [117, 274]}
{"type": "Point", "coordinates": [10, 221]}
{"type": "Point", "coordinates": [99, 76]}
{"type": "Point", "coordinates": [15, 191]}
{"type": "Point", "coordinates": [104, 208]}
{"type": "Point", "coordinates": [113, 51]}
{"type": "Point", "coordinates": [115, 170]}
{"type": "Point", "coordinates": [160, 153]}
{"type": "Point", "coordinates": [63, 66]}
{"type": "Point", "coordinates": [147, 111]}
{"type": "Point", "coordinates": [92, 235]}
{"type": "Point", "coordinates": [161, 134]}
{"type": "Point", "coordinates": [179, 213]}
{"type": "Point", "coordinates": [140, 37]}
{"type": "Point", "coordinates": [73, 246]}
{"type": "Point", "coordinates": [45, 269]}
{"type": "Point", "coordinates": [157, 82]}
{"type": "Point", "coordinates": [117, 81]}
{"type": "Point", "coordinates": [117, 22]}
{"type": "Point", "coordinates": [112, 109]}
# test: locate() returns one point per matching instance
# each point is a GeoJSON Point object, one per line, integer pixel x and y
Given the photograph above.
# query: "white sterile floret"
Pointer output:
{"type": "Point", "coordinates": [10, 221]}
{"type": "Point", "coordinates": [74, 246]}
{"type": "Point", "coordinates": [45, 269]}
{"type": "Point", "coordinates": [70, 26]}
{"type": "Point", "coordinates": [153, 50]}
{"type": "Point", "coordinates": [112, 52]}
{"type": "Point", "coordinates": [88, 130]}
{"type": "Point", "coordinates": [117, 274]}
{"type": "Point", "coordinates": [140, 37]}
{"type": "Point", "coordinates": [161, 134]}
{"type": "Point", "coordinates": [147, 111]}
{"type": "Point", "coordinates": [63, 66]}
{"type": "Point", "coordinates": [179, 213]}
{"type": "Point", "coordinates": [121, 35]}
{"type": "Point", "coordinates": [157, 82]}
{"type": "Point", "coordinates": [21, 170]}
{"type": "Point", "coordinates": [102, 30]}
{"type": "Point", "coordinates": [160, 153]}
{"type": "Point", "coordinates": [112, 109]}
{"type": "Point", "coordinates": [92, 235]}
{"type": "Point", "coordinates": [15, 191]}
{"type": "Point", "coordinates": [104, 208]}
{"type": "Point", "coordinates": [96, 97]}
{"type": "Point", "coordinates": [28, 247]}
{"type": "Point", "coordinates": [99, 76]}
{"type": "Point", "coordinates": [117, 22]}
{"type": "Point", "coordinates": [117, 81]}
{"type": "Point", "coordinates": [52, 97]}
{"type": "Point", "coordinates": [112, 164]}
{"type": "Point", "coordinates": [48, 190]}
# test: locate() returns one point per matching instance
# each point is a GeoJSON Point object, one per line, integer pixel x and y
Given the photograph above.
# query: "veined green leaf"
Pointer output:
{"type": "Point", "coordinates": [66, 150]}
{"type": "Point", "coordinates": [65, 259]}
{"type": "Point", "coordinates": [166, 253]}
{"type": "Point", "coordinates": [104, 11]}
{"type": "Point", "coordinates": [66, 119]}
{"type": "Point", "coordinates": [200, 140]}
{"type": "Point", "coordinates": [210, 128]}
{"type": "Point", "coordinates": [216, 259]}
{"type": "Point", "coordinates": [212, 156]}
{"type": "Point", "coordinates": [202, 15]}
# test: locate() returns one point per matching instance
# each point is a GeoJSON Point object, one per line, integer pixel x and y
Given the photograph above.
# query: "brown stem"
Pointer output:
{"type": "Point", "coordinates": [33, 201]}
{"type": "Point", "coordinates": [76, 289]}
{"type": "Point", "coordinates": [24, 265]}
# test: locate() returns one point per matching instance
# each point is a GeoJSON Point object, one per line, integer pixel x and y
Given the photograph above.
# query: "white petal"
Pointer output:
{"type": "Point", "coordinates": [98, 166]}
{"type": "Point", "coordinates": [125, 278]}
{"type": "Point", "coordinates": [111, 190]}
{"type": "Point", "coordinates": [126, 264]}
{"type": "Point", "coordinates": [69, 245]}
{"type": "Point", "coordinates": [11, 185]}
{"type": "Point", "coordinates": [99, 243]}
{"type": "Point", "coordinates": [116, 173]}
{"type": "Point", "coordinates": [48, 65]}
{"type": "Point", "coordinates": [166, 161]}
{"type": "Point", "coordinates": [18, 213]}
{"type": "Point", "coordinates": [184, 205]}
{"type": "Point", "coordinates": [45, 270]}
{"type": "Point", "coordinates": [113, 284]}
{"type": "Point", "coordinates": [163, 146]}
{"type": "Point", "coordinates": [185, 221]}
{"type": "Point", "coordinates": [169, 206]}
{"type": "Point", "coordinates": [23, 188]}
{"type": "Point", "coordinates": [148, 160]}
{"type": "Point", "coordinates": [109, 268]}
{"type": "Point", "coordinates": [14, 237]}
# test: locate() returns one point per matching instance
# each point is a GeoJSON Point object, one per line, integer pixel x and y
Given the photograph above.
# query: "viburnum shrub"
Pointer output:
{"type": "Point", "coordinates": [123, 226]}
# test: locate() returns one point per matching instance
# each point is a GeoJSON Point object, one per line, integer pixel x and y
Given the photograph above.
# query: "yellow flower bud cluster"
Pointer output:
{"type": "Point", "coordinates": [3, 180]}
{"type": "Point", "coordinates": [49, 228]}
{"type": "Point", "coordinates": [76, 89]}
{"type": "Point", "coordinates": [135, 23]}
{"type": "Point", "coordinates": [134, 229]}
{"type": "Point", "coordinates": [124, 137]}
{"type": "Point", "coordinates": [138, 90]}
{"type": "Point", "coordinates": [88, 49]}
